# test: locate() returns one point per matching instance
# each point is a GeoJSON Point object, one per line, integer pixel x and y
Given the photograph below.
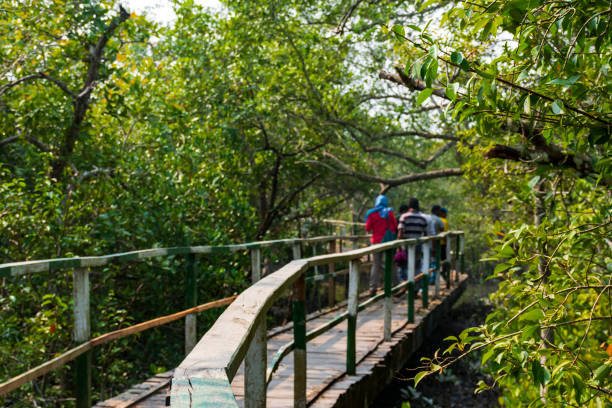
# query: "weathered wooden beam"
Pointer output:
{"type": "Point", "coordinates": [353, 301]}
{"type": "Point", "coordinates": [411, 265]}
{"type": "Point", "coordinates": [191, 300]}
{"type": "Point", "coordinates": [255, 369]}
{"type": "Point", "coordinates": [299, 340]}
{"type": "Point", "coordinates": [331, 282]}
{"type": "Point", "coordinates": [255, 264]}
{"type": "Point", "coordinates": [82, 333]}
{"type": "Point", "coordinates": [45, 265]}
{"type": "Point", "coordinates": [388, 302]}
{"type": "Point", "coordinates": [438, 270]}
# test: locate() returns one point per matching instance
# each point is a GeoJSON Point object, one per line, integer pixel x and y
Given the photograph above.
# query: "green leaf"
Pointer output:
{"type": "Point", "coordinates": [533, 181]}
{"type": "Point", "coordinates": [603, 371]}
{"type": "Point", "coordinates": [557, 107]}
{"type": "Point", "coordinates": [566, 82]}
{"type": "Point", "coordinates": [426, 4]}
{"type": "Point", "coordinates": [600, 135]}
{"type": "Point", "coordinates": [533, 315]}
{"type": "Point", "coordinates": [451, 91]}
{"type": "Point", "coordinates": [465, 65]}
{"type": "Point", "coordinates": [399, 30]}
{"type": "Point", "coordinates": [419, 377]}
{"type": "Point", "coordinates": [486, 356]}
{"type": "Point", "coordinates": [423, 95]}
{"type": "Point", "coordinates": [527, 106]}
{"type": "Point", "coordinates": [456, 58]}
{"type": "Point", "coordinates": [530, 331]}
{"type": "Point", "coordinates": [416, 28]}
{"type": "Point", "coordinates": [541, 375]}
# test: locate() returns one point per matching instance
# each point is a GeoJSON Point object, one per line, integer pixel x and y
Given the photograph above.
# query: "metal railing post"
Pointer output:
{"type": "Point", "coordinates": [448, 261]}
{"type": "Point", "coordinates": [353, 300]}
{"type": "Point", "coordinates": [191, 300]}
{"type": "Point", "coordinates": [256, 356]}
{"type": "Point", "coordinates": [299, 340]}
{"type": "Point", "coordinates": [388, 304]}
{"type": "Point", "coordinates": [462, 249]}
{"type": "Point", "coordinates": [439, 269]}
{"type": "Point", "coordinates": [331, 282]}
{"type": "Point", "coordinates": [411, 265]}
{"type": "Point", "coordinates": [82, 333]}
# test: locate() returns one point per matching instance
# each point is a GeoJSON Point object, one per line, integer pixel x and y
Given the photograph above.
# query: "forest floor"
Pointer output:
{"type": "Point", "coordinates": [455, 386]}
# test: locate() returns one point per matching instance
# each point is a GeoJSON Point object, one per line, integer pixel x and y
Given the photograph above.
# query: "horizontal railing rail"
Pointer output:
{"type": "Point", "coordinates": [81, 300]}
{"type": "Point", "coordinates": [238, 335]}
{"type": "Point", "coordinates": [46, 265]}
{"type": "Point", "coordinates": [75, 352]}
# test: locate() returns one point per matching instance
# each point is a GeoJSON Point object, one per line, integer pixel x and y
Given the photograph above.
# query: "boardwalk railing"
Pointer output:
{"type": "Point", "coordinates": [81, 300]}
{"type": "Point", "coordinates": [204, 378]}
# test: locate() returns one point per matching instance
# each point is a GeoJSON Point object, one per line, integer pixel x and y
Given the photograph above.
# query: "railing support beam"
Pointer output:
{"type": "Point", "coordinates": [299, 339]}
{"type": "Point", "coordinates": [449, 242]}
{"type": "Point", "coordinates": [411, 265]}
{"type": "Point", "coordinates": [353, 300]}
{"type": "Point", "coordinates": [255, 369]}
{"type": "Point", "coordinates": [331, 282]}
{"type": "Point", "coordinates": [82, 333]}
{"type": "Point", "coordinates": [388, 304]}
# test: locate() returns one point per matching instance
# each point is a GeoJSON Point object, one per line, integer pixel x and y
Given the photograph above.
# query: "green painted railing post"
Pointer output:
{"type": "Point", "coordinates": [353, 301]}
{"type": "Point", "coordinates": [191, 300]}
{"type": "Point", "coordinates": [411, 264]}
{"type": "Point", "coordinates": [388, 304]}
{"type": "Point", "coordinates": [82, 333]}
{"type": "Point", "coordinates": [299, 340]}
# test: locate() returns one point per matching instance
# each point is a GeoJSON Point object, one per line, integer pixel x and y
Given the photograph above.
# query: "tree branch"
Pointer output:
{"type": "Point", "coordinates": [388, 182]}
{"type": "Point", "coordinates": [38, 75]}
{"type": "Point", "coordinates": [81, 102]}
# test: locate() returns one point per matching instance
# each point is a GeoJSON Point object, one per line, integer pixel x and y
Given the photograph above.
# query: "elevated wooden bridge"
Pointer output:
{"type": "Point", "coordinates": [340, 356]}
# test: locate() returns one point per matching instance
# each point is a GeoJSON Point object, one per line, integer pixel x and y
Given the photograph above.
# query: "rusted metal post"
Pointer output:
{"type": "Point", "coordinates": [82, 333]}
{"type": "Point", "coordinates": [353, 301]}
{"type": "Point", "coordinates": [299, 340]}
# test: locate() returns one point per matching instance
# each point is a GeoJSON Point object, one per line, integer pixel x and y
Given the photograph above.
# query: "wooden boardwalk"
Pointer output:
{"type": "Point", "coordinates": [327, 383]}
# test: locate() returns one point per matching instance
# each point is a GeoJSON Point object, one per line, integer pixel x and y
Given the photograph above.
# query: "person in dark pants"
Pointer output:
{"type": "Point", "coordinates": [412, 224]}
{"type": "Point", "coordinates": [379, 220]}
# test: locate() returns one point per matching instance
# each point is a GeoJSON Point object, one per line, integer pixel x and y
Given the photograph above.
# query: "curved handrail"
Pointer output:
{"type": "Point", "coordinates": [45, 265]}
{"type": "Point", "coordinates": [205, 374]}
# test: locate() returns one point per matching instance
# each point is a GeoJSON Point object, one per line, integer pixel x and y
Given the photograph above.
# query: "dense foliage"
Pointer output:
{"type": "Point", "coordinates": [529, 81]}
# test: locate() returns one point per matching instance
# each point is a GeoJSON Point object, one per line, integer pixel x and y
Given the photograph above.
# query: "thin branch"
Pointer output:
{"type": "Point", "coordinates": [388, 182]}
{"type": "Point", "coordinates": [38, 75]}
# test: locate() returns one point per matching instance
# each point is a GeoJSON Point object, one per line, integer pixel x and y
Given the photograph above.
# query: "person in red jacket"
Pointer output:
{"type": "Point", "coordinates": [379, 220]}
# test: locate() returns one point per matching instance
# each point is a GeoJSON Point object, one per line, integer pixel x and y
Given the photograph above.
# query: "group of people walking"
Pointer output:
{"type": "Point", "coordinates": [412, 223]}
